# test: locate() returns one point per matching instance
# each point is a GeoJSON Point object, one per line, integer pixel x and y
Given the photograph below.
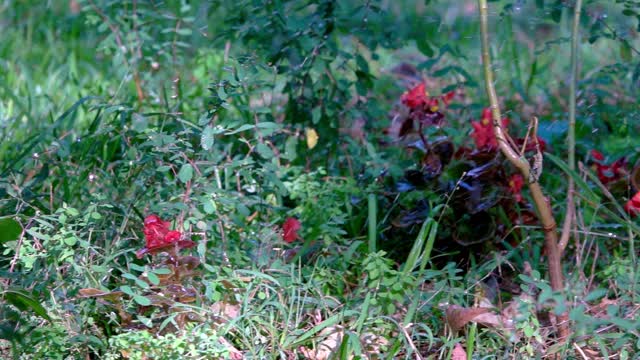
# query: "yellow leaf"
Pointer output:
{"type": "Point", "coordinates": [312, 138]}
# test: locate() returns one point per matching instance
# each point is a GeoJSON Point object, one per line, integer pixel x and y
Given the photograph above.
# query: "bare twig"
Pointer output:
{"type": "Point", "coordinates": [571, 132]}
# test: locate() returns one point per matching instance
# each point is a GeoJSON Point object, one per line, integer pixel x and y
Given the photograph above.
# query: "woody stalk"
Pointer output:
{"type": "Point", "coordinates": [530, 173]}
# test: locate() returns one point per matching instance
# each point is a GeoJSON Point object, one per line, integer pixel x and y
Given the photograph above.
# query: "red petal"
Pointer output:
{"type": "Point", "coordinates": [290, 230]}
{"type": "Point", "coordinates": [515, 186]}
{"type": "Point", "coordinates": [446, 98]}
{"type": "Point", "coordinates": [597, 155]}
{"type": "Point", "coordinates": [633, 205]}
{"type": "Point", "coordinates": [172, 236]}
{"type": "Point", "coordinates": [157, 235]}
{"type": "Point", "coordinates": [416, 97]}
{"type": "Point", "coordinates": [152, 219]}
{"type": "Point", "coordinates": [185, 244]}
{"type": "Point", "coordinates": [486, 114]}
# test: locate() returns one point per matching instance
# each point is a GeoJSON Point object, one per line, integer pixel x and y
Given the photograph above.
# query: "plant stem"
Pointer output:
{"type": "Point", "coordinates": [373, 224]}
{"type": "Point", "coordinates": [520, 162]}
{"type": "Point", "coordinates": [571, 132]}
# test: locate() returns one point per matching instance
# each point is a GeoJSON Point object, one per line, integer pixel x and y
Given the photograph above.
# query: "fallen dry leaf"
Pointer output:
{"type": "Point", "coordinates": [458, 316]}
{"type": "Point", "coordinates": [225, 310]}
{"type": "Point", "coordinates": [326, 347]}
{"type": "Point", "coordinates": [458, 353]}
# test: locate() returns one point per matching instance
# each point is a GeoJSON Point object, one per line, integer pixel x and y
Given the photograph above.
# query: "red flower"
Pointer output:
{"type": "Point", "coordinates": [290, 230]}
{"type": "Point", "coordinates": [446, 98]}
{"type": "Point", "coordinates": [486, 115]}
{"type": "Point", "coordinates": [423, 109]}
{"type": "Point", "coordinates": [531, 144]}
{"type": "Point", "coordinates": [415, 98]}
{"type": "Point", "coordinates": [483, 130]}
{"type": "Point", "coordinates": [158, 236]}
{"type": "Point", "coordinates": [609, 173]}
{"type": "Point", "coordinates": [597, 155]}
{"type": "Point", "coordinates": [633, 205]}
{"type": "Point", "coordinates": [516, 181]}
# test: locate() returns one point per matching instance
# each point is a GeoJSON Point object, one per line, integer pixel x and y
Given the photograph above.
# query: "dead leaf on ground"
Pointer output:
{"type": "Point", "coordinates": [326, 347]}
{"type": "Point", "coordinates": [458, 316]}
{"type": "Point", "coordinates": [225, 310]}
{"type": "Point", "coordinates": [458, 353]}
{"type": "Point", "coordinates": [97, 293]}
{"type": "Point", "coordinates": [234, 354]}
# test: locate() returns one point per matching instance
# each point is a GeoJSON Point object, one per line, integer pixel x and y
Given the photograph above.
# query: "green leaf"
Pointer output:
{"type": "Point", "coordinates": [628, 12]}
{"type": "Point", "coordinates": [142, 284]}
{"type": "Point", "coordinates": [141, 300]}
{"type": "Point", "coordinates": [264, 151]}
{"type": "Point", "coordinates": [595, 295]}
{"type": "Point", "coordinates": [25, 301]}
{"type": "Point", "coordinates": [184, 31]}
{"type": "Point", "coordinates": [71, 240]}
{"type": "Point", "coordinates": [129, 276]}
{"type": "Point", "coordinates": [241, 128]}
{"type": "Point", "coordinates": [153, 278]}
{"type": "Point", "coordinates": [290, 148]}
{"type": "Point", "coordinates": [625, 51]}
{"type": "Point", "coordinates": [37, 235]}
{"type": "Point", "coordinates": [127, 290]}
{"type": "Point", "coordinates": [186, 173]}
{"type": "Point", "coordinates": [162, 271]}
{"type": "Point", "coordinates": [425, 48]}
{"type": "Point", "coordinates": [10, 230]}
{"type": "Point", "coordinates": [206, 140]}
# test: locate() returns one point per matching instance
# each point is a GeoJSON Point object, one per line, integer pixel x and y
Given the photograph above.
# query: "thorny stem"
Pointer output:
{"type": "Point", "coordinates": [571, 133]}
{"type": "Point", "coordinates": [521, 163]}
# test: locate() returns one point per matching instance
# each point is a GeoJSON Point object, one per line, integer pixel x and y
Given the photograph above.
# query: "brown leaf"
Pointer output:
{"type": "Point", "coordinates": [225, 310]}
{"type": "Point", "coordinates": [97, 293]}
{"type": "Point", "coordinates": [234, 354]}
{"type": "Point", "coordinates": [326, 347]}
{"type": "Point", "coordinates": [458, 316]}
{"type": "Point", "coordinates": [458, 353]}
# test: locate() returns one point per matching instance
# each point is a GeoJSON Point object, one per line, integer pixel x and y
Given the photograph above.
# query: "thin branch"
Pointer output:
{"type": "Point", "coordinates": [520, 162]}
{"type": "Point", "coordinates": [571, 132]}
